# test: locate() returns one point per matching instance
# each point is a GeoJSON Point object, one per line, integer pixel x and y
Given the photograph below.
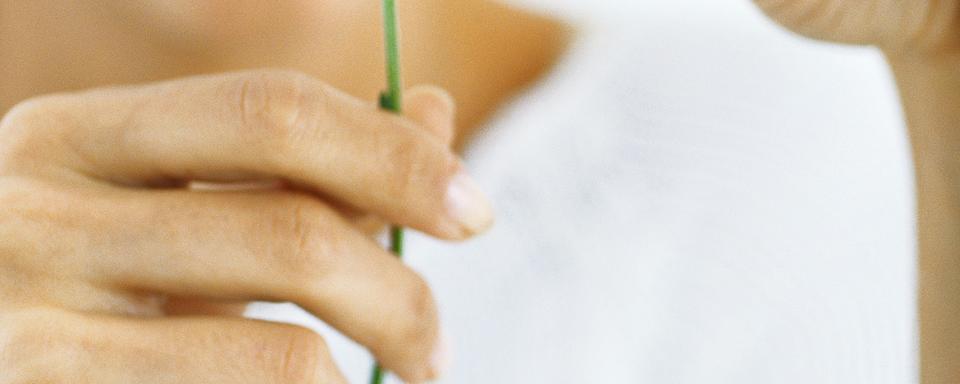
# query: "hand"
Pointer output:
{"type": "Point", "coordinates": [101, 242]}
{"type": "Point", "coordinates": [896, 26]}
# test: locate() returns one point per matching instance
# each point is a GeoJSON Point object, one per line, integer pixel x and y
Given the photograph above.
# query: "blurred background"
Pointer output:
{"type": "Point", "coordinates": [693, 195]}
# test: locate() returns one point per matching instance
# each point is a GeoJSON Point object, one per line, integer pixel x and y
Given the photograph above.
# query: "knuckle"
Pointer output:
{"type": "Point", "coordinates": [279, 106]}
{"type": "Point", "coordinates": [24, 127]}
{"type": "Point", "coordinates": [411, 163]}
{"type": "Point", "coordinates": [418, 172]}
{"type": "Point", "coordinates": [297, 241]}
{"type": "Point", "coordinates": [298, 356]}
{"type": "Point", "coordinates": [30, 210]}
{"type": "Point", "coordinates": [403, 164]}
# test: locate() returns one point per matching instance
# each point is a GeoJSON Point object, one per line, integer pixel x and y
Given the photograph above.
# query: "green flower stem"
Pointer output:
{"type": "Point", "coordinates": [391, 100]}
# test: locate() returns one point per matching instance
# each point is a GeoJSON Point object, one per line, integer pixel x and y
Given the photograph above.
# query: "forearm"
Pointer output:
{"type": "Point", "coordinates": [930, 89]}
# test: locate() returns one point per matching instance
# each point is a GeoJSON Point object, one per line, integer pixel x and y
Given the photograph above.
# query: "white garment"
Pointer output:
{"type": "Point", "coordinates": [693, 196]}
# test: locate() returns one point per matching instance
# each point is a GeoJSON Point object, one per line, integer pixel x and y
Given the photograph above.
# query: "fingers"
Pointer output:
{"type": "Point", "coordinates": [434, 109]}
{"type": "Point", "coordinates": [855, 22]}
{"type": "Point", "coordinates": [270, 124]}
{"type": "Point", "coordinates": [274, 246]}
{"type": "Point", "coordinates": [897, 25]}
{"type": "Point", "coordinates": [58, 346]}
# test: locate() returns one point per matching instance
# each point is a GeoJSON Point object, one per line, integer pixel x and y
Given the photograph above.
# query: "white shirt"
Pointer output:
{"type": "Point", "coordinates": [692, 196]}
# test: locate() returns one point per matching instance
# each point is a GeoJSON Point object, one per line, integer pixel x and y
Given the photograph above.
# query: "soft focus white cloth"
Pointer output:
{"type": "Point", "coordinates": [693, 196]}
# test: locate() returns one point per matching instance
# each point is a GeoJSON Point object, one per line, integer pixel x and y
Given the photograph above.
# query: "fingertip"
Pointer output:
{"type": "Point", "coordinates": [468, 210]}
{"type": "Point", "coordinates": [460, 212]}
{"type": "Point", "coordinates": [409, 347]}
{"type": "Point", "coordinates": [434, 108]}
{"type": "Point", "coordinates": [442, 356]}
{"type": "Point", "coordinates": [432, 94]}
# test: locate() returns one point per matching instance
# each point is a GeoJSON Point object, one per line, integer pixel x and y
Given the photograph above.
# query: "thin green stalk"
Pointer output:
{"type": "Point", "coordinates": [391, 100]}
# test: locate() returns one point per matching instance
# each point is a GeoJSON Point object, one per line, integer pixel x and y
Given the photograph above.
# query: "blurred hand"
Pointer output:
{"type": "Point", "coordinates": [898, 26]}
{"type": "Point", "coordinates": [921, 41]}
{"type": "Point", "coordinates": [103, 248]}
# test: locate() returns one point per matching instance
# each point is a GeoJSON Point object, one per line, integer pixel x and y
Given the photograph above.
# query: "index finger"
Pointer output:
{"type": "Point", "coordinates": [274, 124]}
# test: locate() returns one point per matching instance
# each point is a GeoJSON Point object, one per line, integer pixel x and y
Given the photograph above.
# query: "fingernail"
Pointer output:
{"type": "Point", "coordinates": [441, 358]}
{"type": "Point", "coordinates": [467, 206]}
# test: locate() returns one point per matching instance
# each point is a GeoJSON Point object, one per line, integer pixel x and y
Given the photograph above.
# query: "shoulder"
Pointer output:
{"type": "Point", "coordinates": [498, 51]}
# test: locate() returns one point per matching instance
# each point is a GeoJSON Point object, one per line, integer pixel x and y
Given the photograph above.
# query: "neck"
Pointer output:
{"type": "Point", "coordinates": [51, 45]}
{"type": "Point", "coordinates": [482, 52]}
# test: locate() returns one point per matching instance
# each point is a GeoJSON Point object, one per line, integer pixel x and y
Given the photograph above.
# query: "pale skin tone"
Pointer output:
{"type": "Point", "coordinates": [114, 270]}
{"type": "Point", "coordinates": [118, 269]}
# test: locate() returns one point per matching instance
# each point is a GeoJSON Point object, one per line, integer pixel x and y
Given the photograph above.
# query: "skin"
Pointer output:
{"type": "Point", "coordinates": [127, 236]}
{"type": "Point", "coordinates": [139, 219]}
{"type": "Point", "coordinates": [921, 40]}
{"type": "Point", "coordinates": [477, 50]}
{"type": "Point", "coordinates": [117, 266]}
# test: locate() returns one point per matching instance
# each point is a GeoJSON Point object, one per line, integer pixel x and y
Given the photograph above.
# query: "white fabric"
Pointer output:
{"type": "Point", "coordinates": [693, 196]}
